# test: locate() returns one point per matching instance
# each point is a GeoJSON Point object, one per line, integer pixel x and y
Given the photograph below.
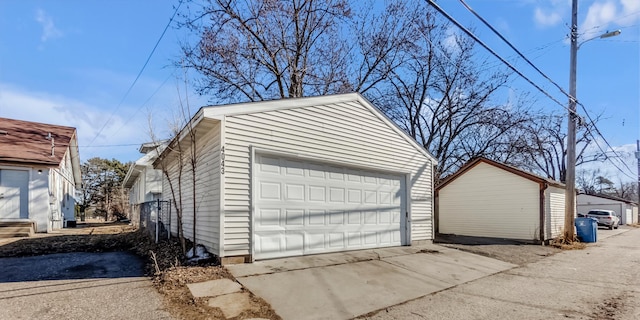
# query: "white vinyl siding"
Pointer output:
{"type": "Point", "coordinates": [487, 201]}
{"type": "Point", "coordinates": [207, 190]}
{"type": "Point", "coordinates": [347, 133]}
{"type": "Point", "coordinates": [554, 210]}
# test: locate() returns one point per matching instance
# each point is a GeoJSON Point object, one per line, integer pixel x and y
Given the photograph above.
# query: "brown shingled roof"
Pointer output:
{"type": "Point", "coordinates": [27, 142]}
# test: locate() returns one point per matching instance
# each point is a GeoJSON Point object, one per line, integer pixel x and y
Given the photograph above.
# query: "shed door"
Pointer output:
{"type": "Point", "coordinates": [628, 216]}
{"type": "Point", "coordinates": [305, 208]}
{"type": "Point", "coordinates": [14, 190]}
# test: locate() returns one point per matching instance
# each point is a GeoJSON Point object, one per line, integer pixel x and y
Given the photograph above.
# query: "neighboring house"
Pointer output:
{"type": "Point", "coordinates": [626, 210]}
{"type": "Point", "coordinates": [301, 176]}
{"type": "Point", "coordinates": [39, 173]}
{"type": "Point", "coordinates": [490, 199]}
{"type": "Point", "coordinates": [143, 181]}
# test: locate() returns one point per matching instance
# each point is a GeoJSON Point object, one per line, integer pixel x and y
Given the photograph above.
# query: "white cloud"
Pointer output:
{"type": "Point", "coordinates": [49, 30]}
{"type": "Point", "coordinates": [87, 118]}
{"type": "Point", "coordinates": [546, 18]}
{"type": "Point", "coordinates": [599, 15]}
{"type": "Point", "coordinates": [607, 15]}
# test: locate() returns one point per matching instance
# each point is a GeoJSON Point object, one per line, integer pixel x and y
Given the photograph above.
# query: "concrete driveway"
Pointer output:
{"type": "Point", "coordinates": [350, 284]}
{"type": "Point", "coordinates": [77, 286]}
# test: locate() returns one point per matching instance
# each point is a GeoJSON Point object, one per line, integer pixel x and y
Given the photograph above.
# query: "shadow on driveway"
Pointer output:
{"type": "Point", "coordinates": [68, 266]}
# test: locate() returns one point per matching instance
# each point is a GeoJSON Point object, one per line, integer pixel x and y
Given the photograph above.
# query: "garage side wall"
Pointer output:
{"type": "Point", "coordinates": [348, 133]}
{"type": "Point", "coordinates": [588, 202]}
{"type": "Point", "coordinates": [554, 211]}
{"type": "Point", "coordinates": [207, 191]}
{"type": "Point", "coordinates": [490, 202]}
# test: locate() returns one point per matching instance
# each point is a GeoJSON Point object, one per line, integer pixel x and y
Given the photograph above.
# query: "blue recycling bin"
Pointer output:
{"type": "Point", "coordinates": [587, 229]}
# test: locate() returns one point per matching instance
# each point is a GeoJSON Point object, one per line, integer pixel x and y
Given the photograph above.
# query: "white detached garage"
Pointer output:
{"type": "Point", "coordinates": [302, 176]}
{"type": "Point", "coordinates": [490, 199]}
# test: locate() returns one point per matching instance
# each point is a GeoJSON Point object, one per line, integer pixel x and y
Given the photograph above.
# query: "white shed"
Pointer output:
{"type": "Point", "coordinates": [300, 176]}
{"type": "Point", "coordinates": [626, 210]}
{"type": "Point", "coordinates": [490, 199]}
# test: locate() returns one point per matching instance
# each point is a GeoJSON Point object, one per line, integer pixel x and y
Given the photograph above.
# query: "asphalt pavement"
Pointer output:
{"type": "Point", "coordinates": [81, 285]}
{"type": "Point", "coordinates": [599, 282]}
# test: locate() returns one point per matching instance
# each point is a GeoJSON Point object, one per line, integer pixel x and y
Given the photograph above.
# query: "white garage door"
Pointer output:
{"type": "Point", "coordinates": [305, 208]}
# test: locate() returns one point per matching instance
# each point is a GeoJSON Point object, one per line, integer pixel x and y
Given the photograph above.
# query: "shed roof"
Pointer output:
{"type": "Point", "coordinates": [609, 197]}
{"type": "Point", "coordinates": [34, 143]}
{"type": "Point", "coordinates": [476, 161]}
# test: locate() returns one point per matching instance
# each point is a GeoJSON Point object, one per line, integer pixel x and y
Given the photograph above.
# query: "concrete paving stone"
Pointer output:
{"type": "Point", "coordinates": [213, 288]}
{"type": "Point", "coordinates": [233, 304]}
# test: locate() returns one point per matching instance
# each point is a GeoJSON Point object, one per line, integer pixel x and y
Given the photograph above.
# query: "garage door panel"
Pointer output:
{"type": "Point", "coordinates": [270, 191]}
{"type": "Point", "coordinates": [269, 217]}
{"type": "Point", "coordinates": [294, 217]}
{"type": "Point", "coordinates": [336, 217]}
{"type": "Point", "coordinates": [294, 192]}
{"type": "Point", "coordinates": [314, 208]}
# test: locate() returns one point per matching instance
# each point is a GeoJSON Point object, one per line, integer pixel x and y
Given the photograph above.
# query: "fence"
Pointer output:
{"type": "Point", "coordinates": [155, 218]}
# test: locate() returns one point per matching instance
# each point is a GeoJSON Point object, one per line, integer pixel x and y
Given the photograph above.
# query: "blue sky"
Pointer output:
{"type": "Point", "coordinates": [71, 62]}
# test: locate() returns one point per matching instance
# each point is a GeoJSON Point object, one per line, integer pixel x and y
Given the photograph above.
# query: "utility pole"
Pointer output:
{"type": "Point", "coordinates": [638, 158]}
{"type": "Point", "coordinates": [570, 176]}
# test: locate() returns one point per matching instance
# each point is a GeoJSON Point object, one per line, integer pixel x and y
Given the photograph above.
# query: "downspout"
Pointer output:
{"type": "Point", "coordinates": [543, 188]}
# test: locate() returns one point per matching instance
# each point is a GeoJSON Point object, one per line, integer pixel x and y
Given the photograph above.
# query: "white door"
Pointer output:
{"type": "Point", "coordinates": [628, 216]}
{"type": "Point", "coordinates": [305, 208]}
{"type": "Point", "coordinates": [14, 189]}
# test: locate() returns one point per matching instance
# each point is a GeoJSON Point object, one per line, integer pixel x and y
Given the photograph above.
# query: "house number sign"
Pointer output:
{"type": "Point", "coordinates": [222, 160]}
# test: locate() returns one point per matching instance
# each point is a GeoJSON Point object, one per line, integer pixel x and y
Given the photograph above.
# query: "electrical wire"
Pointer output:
{"type": "Point", "coordinates": [540, 72]}
{"type": "Point", "coordinates": [139, 73]}
{"type": "Point", "coordinates": [517, 51]}
{"type": "Point", "coordinates": [514, 69]}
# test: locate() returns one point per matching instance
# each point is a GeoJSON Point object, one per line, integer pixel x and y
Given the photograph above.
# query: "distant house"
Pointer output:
{"type": "Point", "coordinates": [626, 210]}
{"type": "Point", "coordinates": [143, 181]}
{"type": "Point", "coordinates": [490, 199]}
{"type": "Point", "coordinates": [301, 176]}
{"type": "Point", "coordinates": [39, 173]}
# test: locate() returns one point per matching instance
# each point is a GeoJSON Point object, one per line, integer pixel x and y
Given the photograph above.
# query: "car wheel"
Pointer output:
{"type": "Point", "coordinates": [611, 227]}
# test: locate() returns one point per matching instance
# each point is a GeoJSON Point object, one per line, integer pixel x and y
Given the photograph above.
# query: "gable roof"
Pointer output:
{"type": "Point", "coordinates": [476, 161]}
{"type": "Point", "coordinates": [34, 143]}
{"type": "Point", "coordinates": [145, 161]}
{"type": "Point", "coordinates": [218, 112]}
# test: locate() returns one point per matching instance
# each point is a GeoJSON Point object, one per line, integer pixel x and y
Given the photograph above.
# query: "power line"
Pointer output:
{"type": "Point", "coordinates": [540, 72]}
{"type": "Point", "coordinates": [517, 51]}
{"type": "Point", "coordinates": [514, 69]}
{"type": "Point", "coordinates": [139, 73]}
{"type": "Point", "coordinates": [147, 101]}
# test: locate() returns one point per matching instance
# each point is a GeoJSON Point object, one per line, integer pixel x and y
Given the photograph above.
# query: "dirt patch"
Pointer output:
{"type": "Point", "coordinates": [611, 308]}
{"type": "Point", "coordinates": [174, 273]}
{"type": "Point", "coordinates": [511, 251]}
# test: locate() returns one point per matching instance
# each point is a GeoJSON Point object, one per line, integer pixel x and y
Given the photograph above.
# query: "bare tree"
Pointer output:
{"type": "Point", "coordinates": [439, 96]}
{"type": "Point", "coordinates": [174, 183]}
{"type": "Point", "coordinates": [545, 151]}
{"type": "Point", "coordinates": [265, 49]}
{"type": "Point", "coordinates": [400, 56]}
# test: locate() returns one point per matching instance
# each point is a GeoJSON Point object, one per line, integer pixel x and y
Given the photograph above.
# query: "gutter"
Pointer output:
{"type": "Point", "coordinates": [543, 188]}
